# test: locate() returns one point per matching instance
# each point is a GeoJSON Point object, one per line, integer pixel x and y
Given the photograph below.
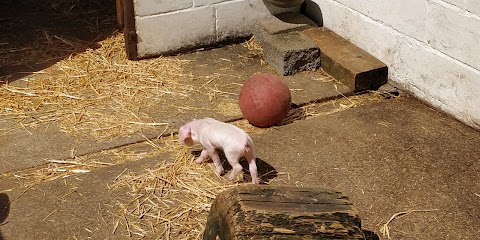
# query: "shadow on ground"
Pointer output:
{"type": "Point", "coordinates": [370, 235]}
{"type": "Point", "coordinates": [36, 34]}
{"type": "Point", "coordinates": [266, 172]}
{"type": "Point", "coordinates": [4, 210]}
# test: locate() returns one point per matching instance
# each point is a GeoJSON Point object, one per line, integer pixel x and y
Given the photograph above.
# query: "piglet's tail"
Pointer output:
{"type": "Point", "coordinates": [248, 145]}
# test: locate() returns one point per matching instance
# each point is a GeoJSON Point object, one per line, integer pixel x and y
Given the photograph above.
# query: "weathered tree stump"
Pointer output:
{"type": "Point", "coordinates": [269, 212]}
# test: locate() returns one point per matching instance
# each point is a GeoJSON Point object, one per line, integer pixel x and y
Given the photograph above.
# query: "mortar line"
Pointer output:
{"type": "Point", "coordinates": [192, 8]}
{"type": "Point", "coordinates": [454, 7]}
{"type": "Point", "coordinates": [215, 22]}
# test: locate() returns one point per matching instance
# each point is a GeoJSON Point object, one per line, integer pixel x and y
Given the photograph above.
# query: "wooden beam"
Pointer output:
{"type": "Point", "coordinates": [129, 30]}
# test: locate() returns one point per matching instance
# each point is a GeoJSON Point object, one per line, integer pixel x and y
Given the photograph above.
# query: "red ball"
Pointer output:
{"type": "Point", "coordinates": [265, 100]}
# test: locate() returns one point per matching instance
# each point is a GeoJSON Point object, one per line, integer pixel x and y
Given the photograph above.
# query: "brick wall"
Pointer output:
{"type": "Point", "coordinates": [165, 26]}
{"type": "Point", "coordinates": [432, 47]}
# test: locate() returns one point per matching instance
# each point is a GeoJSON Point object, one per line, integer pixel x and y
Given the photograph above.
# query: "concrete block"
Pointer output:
{"type": "Point", "coordinates": [284, 48]}
{"type": "Point", "coordinates": [346, 62]}
{"type": "Point", "coordinates": [473, 6]}
{"type": "Point", "coordinates": [145, 8]}
{"type": "Point", "coordinates": [236, 19]}
{"type": "Point", "coordinates": [284, 22]}
{"type": "Point", "coordinates": [290, 52]}
{"type": "Point", "coordinates": [268, 212]}
{"type": "Point", "coordinates": [454, 33]}
{"type": "Point", "coordinates": [178, 31]}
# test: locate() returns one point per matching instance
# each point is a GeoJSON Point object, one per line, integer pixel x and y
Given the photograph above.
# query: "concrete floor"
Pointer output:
{"type": "Point", "coordinates": [388, 155]}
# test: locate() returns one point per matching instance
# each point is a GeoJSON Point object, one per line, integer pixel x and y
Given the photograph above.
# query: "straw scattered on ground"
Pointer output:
{"type": "Point", "coordinates": [254, 49]}
{"type": "Point", "coordinates": [168, 201]}
{"type": "Point", "coordinates": [171, 200]}
{"type": "Point", "coordinates": [95, 90]}
{"type": "Point", "coordinates": [385, 230]}
{"type": "Point", "coordinates": [98, 92]}
{"type": "Point", "coordinates": [150, 148]}
{"type": "Point", "coordinates": [56, 168]}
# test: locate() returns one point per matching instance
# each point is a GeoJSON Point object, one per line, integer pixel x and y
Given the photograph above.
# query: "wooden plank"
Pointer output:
{"type": "Point", "coordinates": [266, 212]}
{"type": "Point", "coordinates": [129, 30]}
{"type": "Point", "coordinates": [346, 62]}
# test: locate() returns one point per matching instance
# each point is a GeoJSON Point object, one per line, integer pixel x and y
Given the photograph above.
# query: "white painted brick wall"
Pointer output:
{"type": "Point", "coordinates": [151, 7]}
{"type": "Point", "coordinates": [165, 33]}
{"type": "Point", "coordinates": [406, 16]}
{"type": "Point", "coordinates": [473, 6]}
{"type": "Point", "coordinates": [454, 32]}
{"type": "Point", "coordinates": [165, 26]}
{"type": "Point", "coordinates": [442, 67]}
{"type": "Point", "coordinates": [232, 24]}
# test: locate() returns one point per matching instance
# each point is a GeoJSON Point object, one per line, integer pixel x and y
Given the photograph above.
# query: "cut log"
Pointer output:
{"type": "Point", "coordinates": [270, 212]}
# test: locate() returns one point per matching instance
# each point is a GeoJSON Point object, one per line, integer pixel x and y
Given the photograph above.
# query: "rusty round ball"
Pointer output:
{"type": "Point", "coordinates": [265, 100]}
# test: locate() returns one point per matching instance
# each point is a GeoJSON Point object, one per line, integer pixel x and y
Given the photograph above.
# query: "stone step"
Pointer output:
{"type": "Point", "coordinates": [346, 62]}
{"type": "Point", "coordinates": [284, 48]}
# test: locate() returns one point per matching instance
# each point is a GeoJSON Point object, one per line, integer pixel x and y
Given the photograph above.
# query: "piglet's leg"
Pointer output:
{"type": "Point", "coordinates": [252, 166]}
{"type": "Point", "coordinates": [233, 159]}
{"type": "Point", "coordinates": [203, 156]}
{"type": "Point", "coordinates": [216, 160]}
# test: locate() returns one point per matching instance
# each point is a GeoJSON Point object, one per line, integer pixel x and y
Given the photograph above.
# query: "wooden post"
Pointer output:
{"type": "Point", "coordinates": [119, 8]}
{"type": "Point", "coordinates": [129, 31]}
{"type": "Point", "coordinates": [269, 212]}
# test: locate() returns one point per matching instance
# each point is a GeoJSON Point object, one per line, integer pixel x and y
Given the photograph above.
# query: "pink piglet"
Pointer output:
{"type": "Point", "coordinates": [213, 135]}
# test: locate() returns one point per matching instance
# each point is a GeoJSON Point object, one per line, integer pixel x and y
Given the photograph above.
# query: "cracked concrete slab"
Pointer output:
{"type": "Point", "coordinates": [81, 206]}
{"type": "Point", "coordinates": [221, 69]}
{"type": "Point", "coordinates": [387, 156]}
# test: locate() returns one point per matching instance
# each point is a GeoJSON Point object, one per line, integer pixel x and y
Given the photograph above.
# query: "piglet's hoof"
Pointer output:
{"type": "Point", "coordinates": [220, 172]}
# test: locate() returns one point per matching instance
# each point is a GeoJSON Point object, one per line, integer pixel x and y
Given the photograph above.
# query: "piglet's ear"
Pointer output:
{"type": "Point", "coordinates": [184, 133]}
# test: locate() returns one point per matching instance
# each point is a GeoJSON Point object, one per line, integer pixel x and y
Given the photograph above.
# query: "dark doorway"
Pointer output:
{"type": "Point", "coordinates": [36, 34]}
